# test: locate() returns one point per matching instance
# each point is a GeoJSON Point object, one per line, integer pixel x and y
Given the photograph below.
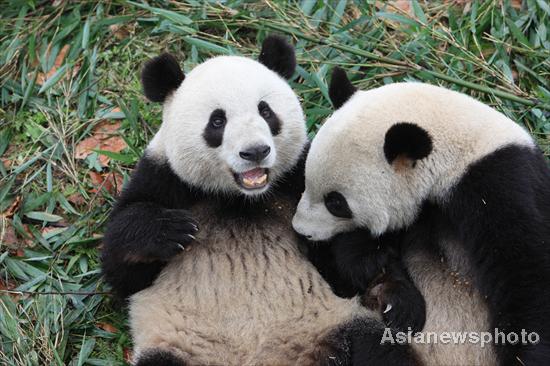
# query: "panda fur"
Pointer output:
{"type": "Point", "coordinates": [467, 191]}
{"type": "Point", "coordinates": [212, 270]}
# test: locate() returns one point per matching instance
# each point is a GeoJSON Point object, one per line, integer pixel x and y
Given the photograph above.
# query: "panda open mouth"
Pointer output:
{"type": "Point", "coordinates": [252, 179]}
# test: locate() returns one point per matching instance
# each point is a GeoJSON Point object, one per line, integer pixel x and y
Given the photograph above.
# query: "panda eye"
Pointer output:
{"type": "Point", "coordinates": [264, 110]}
{"type": "Point", "coordinates": [270, 117]}
{"type": "Point", "coordinates": [217, 119]}
{"type": "Point", "coordinates": [337, 205]}
{"type": "Point", "coordinates": [218, 122]}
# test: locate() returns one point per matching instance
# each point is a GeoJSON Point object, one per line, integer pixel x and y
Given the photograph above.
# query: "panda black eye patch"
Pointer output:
{"type": "Point", "coordinates": [270, 117]}
{"type": "Point", "coordinates": [213, 133]}
{"type": "Point", "coordinates": [337, 205]}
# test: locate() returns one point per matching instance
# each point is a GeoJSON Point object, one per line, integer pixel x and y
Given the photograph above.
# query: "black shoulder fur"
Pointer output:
{"type": "Point", "coordinates": [150, 210]}
{"type": "Point", "coordinates": [501, 212]}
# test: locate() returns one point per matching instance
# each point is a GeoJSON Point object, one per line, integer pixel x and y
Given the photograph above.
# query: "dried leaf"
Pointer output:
{"type": "Point", "coordinates": [7, 162]}
{"type": "Point", "coordinates": [104, 137]}
{"type": "Point", "coordinates": [516, 4]}
{"type": "Point", "coordinates": [7, 234]}
{"type": "Point", "coordinates": [354, 12]}
{"type": "Point", "coordinates": [76, 199]}
{"type": "Point", "coordinates": [96, 178]}
{"type": "Point", "coordinates": [6, 285]}
{"type": "Point", "coordinates": [9, 153]}
{"type": "Point", "coordinates": [116, 182]}
{"type": "Point", "coordinates": [107, 327]}
{"type": "Point", "coordinates": [128, 355]}
{"type": "Point", "coordinates": [85, 147]}
{"type": "Point", "coordinates": [122, 31]}
{"type": "Point", "coordinates": [395, 6]}
{"type": "Point", "coordinates": [13, 208]}
{"type": "Point", "coordinates": [402, 5]}
{"type": "Point", "coordinates": [111, 182]}
{"type": "Point", "coordinates": [41, 78]}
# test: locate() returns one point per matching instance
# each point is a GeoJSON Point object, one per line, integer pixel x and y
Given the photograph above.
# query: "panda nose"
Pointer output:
{"type": "Point", "coordinates": [255, 153]}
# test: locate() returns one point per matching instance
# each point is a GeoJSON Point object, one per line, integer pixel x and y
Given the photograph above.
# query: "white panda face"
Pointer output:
{"type": "Point", "coordinates": [341, 195]}
{"type": "Point", "coordinates": [232, 126]}
{"type": "Point", "coordinates": [388, 150]}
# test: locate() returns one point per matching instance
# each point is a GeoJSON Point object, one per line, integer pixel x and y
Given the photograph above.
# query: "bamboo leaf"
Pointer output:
{"type": "Point", "coordinates": [43, 216]}
{"type": "Point", "coordinates": [54, 79]}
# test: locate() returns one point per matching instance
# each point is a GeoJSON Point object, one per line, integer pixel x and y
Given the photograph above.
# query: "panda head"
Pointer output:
{"type": "Point", "coordinates": [386, 151]}
{"type": "Point", "coordinates": [233, 124]}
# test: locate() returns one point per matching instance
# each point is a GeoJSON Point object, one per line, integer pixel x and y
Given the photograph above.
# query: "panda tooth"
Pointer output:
{"type": "Point", "coordinates": [248, 182]}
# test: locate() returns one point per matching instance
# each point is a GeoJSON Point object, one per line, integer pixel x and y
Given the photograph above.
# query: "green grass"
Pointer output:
{"type": "Point", "coordinates": [54, 309]}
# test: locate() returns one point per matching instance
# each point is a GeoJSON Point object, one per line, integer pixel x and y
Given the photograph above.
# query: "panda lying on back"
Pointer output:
{"type": "Point", "coordinates": [464, 189]}
{"type": "Point", "coordinates": [201, 239]}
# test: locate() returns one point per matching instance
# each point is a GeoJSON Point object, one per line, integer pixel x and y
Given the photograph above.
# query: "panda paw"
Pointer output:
{"type": "Point", "coordinates": [400, 303]}
{"type": "Point", "coordinates": [169, 233]}
{"type": "Point", "coordinates": [177, 231]}
{"type": "Point", "coordinates": [362, 342]}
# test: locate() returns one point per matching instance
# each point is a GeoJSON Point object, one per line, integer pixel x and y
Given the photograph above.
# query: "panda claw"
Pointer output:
{"type": "Point", "coordinates": [181, 246]}
{"type": "Point", "coordinates": [388, 308]}
{"type": "Point", "coordinates": [192, 236]}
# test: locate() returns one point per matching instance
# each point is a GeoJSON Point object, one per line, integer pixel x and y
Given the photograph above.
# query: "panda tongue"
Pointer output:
{"type": "Point", "coordinates": [253, 174]}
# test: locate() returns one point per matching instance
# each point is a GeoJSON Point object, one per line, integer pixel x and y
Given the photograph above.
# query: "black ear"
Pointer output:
{"type": "Point", "coordinates": [161, 76]}
{"type": "Point", "coordinates": [278, 55]}
{"type": "Point", "coordinates": [340, 88]}
{"type": "Point", "coordinates": [407, 140]}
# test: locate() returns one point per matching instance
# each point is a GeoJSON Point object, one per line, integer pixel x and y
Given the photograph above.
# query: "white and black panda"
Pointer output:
{"type": "Point", "coordinates": [467, 193]}
{"type": "Point", "coordinates": [201, 241]}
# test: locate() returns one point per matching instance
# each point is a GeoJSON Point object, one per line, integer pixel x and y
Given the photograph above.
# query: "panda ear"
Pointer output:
{"type": "Point", "coordinates": [340, 88]}
{"type": "Point", "coordinates": [405, 143]}
{"type": "Point", "coordinates": [161, 76]}
{"type": "Point", "coordinates": [278, 55]}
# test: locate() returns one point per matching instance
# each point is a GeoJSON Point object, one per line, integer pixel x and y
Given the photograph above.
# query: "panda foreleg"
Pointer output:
{"type": "Point", "coordinates": [375, 270]}
{"type": "Point", "coordinates": [359, 258]}
{"type": "Point", "coordinates": [148, 226]}
{"type": "Point", "coordinates": [140, 239]}
{"type": "Point", "coordinates": [398, 299]}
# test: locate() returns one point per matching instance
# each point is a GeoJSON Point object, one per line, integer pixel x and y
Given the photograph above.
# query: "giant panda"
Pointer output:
{"type": "Point", "coordinates": [200, 240]}
{"type": "Point", "coordinates": [465, 189]}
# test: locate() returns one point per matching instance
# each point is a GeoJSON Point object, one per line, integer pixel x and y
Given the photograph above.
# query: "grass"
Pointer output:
{"type": "Point", "coordinates": [66, 66]}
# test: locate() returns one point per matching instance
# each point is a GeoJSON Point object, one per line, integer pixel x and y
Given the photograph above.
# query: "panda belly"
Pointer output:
{"type": "Point", "coordinates": [242, 295]}
{"type": "Point", "coordinates": [452, 305]}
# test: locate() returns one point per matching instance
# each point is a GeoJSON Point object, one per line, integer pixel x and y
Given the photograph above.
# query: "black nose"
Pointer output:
{"type": "Point", "coordinates": [255, 153]}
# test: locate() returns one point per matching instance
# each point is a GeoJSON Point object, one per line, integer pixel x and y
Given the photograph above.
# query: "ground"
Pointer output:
{"type": "Point", "coordinates": [73, 121]}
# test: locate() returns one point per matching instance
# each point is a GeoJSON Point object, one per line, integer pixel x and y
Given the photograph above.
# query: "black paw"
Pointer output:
{"type": "Point", "coordinates": [401, 304]}
{"type": "Point", "coordinates": [168, 233]}
{"type": "Point", "coordinates": [365, 342]}
{"type": "Point", "coordinates": [369, 352]}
